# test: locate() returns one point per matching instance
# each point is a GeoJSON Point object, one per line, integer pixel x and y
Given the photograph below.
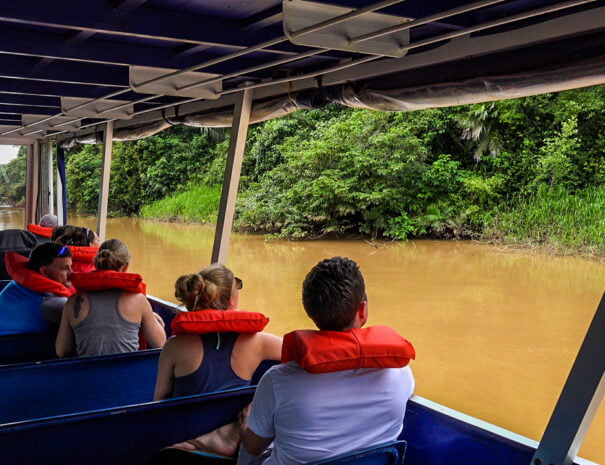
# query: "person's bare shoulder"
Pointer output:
{"type": "Point", "coordinates": [266, 345]}
{"type": "Point", "coordinates": [135, 297]}
{"type": "Point", "coordinates": [182, 342]}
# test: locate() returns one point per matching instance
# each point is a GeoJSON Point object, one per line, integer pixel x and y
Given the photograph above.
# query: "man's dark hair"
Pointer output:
{"type": "Point", "coordinates": [332, 292]}
{"type": "Point", "coordinates": [44, 254]}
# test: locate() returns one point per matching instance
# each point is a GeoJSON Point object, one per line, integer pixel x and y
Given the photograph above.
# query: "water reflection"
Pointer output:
{"type": "Point", "coordinates": [495, 331]}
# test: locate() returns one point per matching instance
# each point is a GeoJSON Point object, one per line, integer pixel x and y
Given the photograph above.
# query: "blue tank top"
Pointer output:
{"type": "Point", "coordinates": [215, 372]}
{"type": "Point", "coordinates": [20, 310]}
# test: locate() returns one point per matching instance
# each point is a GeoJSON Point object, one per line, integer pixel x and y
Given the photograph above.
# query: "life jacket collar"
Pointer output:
{"type": "Point", "coordinates": [83, 254]}
{"type": "Point", "coordinates": [331, 351]}
{"type": "Point", "coordinates": [100, 280]}
{"type": "Point", "coordinates": [16, 266]}
{"type": "Point", "coordinates": [40, 230]}
{"type": "Point", "coordinates": [218, 321]}
{"type": "Point", "coordinates": [83, 258]}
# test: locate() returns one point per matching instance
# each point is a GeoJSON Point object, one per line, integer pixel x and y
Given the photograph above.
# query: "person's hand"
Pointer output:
{"type": "Point", "coordinates": [242, 416]}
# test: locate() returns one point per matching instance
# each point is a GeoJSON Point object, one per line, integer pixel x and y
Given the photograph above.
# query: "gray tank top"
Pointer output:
{"type": "Point", "coordinates": [105, 330]}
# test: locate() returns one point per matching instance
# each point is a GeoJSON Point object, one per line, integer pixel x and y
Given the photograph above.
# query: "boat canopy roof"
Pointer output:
{"type": "Point", "coordinates": [68, 66]}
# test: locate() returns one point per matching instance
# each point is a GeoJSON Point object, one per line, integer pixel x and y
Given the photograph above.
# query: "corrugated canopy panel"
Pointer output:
{"type": "Point", "coordinates": [391, 55]}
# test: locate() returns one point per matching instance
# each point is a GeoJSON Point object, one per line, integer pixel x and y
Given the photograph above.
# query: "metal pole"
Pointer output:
{"type": "Point", "coordinates": [28, 184]}
{"type": "Point", "coordinates": [31, 188]}
{"type": "Point", "coordinates": [50, 171]}
{"type": "Point", "coordinates": [105, 173]}
{"type": "Point", "coordinates": [579, 400]}
{"type": "Point", "coordinates": [61, 186]}
{"type": "Point", "coordinates": [59, 197]}
{"type": "Point", "coordinates": [237, 143]}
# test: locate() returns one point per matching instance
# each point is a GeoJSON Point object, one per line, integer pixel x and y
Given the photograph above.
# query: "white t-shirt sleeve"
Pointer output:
{"type": "Point", "coordinates": [261, 417]}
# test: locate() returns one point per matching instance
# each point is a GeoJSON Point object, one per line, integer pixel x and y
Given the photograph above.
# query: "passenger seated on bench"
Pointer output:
{"type": "Point", "coordinates": [43, 230]}
{"type": "Point", "coordinates": [34, 300]}
{"type": "Point", "coordinates": [221, 357]}
{"type": "Point", "coordinates": [108, 320]}
{"type": "Point", "coordinates": [75, 235]}
{"type": "Point", "coordinates": [318, 403]}
{"type": "Point", "coordinates": [83, 244]}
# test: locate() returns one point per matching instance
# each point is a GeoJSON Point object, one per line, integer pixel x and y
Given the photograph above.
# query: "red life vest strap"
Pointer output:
{"type": "Point", "coordinates": [16, 265]}
{"type": "Point", "coordinates": [40, 230]}
{"type": "Point", "coordinates": [218, 321]}
{"type": "Point", "coordinates": [330, 351]}
{"type": "Point", "coordinates": [100, 280]}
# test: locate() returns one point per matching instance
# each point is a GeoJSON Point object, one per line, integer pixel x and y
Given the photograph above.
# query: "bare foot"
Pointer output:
{"type": "Point", "coordinates": [221, 441]}
{"type": "Point", "coordinates": [184, 445]}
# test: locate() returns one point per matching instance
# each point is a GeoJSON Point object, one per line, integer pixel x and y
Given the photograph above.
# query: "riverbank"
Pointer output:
{"type": "Point", "coordinates": [551, 221]}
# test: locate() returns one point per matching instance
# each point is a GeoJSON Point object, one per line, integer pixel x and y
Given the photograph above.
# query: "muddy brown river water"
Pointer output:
{"type": "Point", "coordinates": [496, 331]}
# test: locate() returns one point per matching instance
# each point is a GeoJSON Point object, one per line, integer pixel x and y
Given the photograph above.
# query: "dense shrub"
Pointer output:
{"type": "Point", "coordinates": [499, 170]}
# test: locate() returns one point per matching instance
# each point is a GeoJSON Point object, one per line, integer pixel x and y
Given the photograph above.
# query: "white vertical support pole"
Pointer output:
{"type": "Point", "coordinates": [59, 196]}
{"type": "Point", "coordinates": [31, 182]}
{"type": "Point", "coordinates": [50, 171]}
{"type": "Point", "coordinates": [579, 400]}
{"type": "Point", "coordinates": [237, 143]}
{"type": "Point", "coordinates": [36, 182]}
{"type": "Point", "coordinates": [104, 191]}
{"type": "Point", "coordinates": [29, 179]}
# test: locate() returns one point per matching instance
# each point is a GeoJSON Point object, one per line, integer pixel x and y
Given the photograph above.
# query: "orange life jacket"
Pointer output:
{"type": "Point", "coordinates": [218, 321]}
{"type": "Point", "coordinates": [40, 230]}
{"type": "Point", "coordinates": [83, 258]}
{"type": "Point", "coordinates": [329, 351]}
{"type": "Point", "coordinates": [16, 265]}
{"type": "Point", "coordinates": [100, 280]}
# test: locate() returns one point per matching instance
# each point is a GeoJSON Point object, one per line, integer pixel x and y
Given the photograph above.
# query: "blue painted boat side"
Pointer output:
{"type": "Point", "coordinates": [440, 435]}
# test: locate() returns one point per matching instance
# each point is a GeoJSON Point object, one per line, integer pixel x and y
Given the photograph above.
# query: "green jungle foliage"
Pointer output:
{"type": "Point", "coordinates": [12, 179]}
{"type": "Point", "coordinates": [198, 204]}
{"type": "Point", "coordinates": [141, 172]}
{"type": "Point", "coordinates": [530, 170]}
{"type": "Point", "coordinates": [555, 218]}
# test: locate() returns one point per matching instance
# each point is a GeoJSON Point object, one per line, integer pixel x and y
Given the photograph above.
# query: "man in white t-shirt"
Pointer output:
{"type": "Point", "coordinates": [298, 417]}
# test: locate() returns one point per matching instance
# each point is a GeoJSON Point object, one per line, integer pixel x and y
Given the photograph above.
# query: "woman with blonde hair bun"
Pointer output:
{"type": "Point", "coordinates": [110, 308]}
{"type": "Point", "coordinates": [213, 347]}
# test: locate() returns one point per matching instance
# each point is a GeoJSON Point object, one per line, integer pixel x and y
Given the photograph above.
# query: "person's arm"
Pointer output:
{"type": "Point", "coordinates": [253, 443]}
{"type": "Point", "coordinates": [271, 346]}
{"type": "Point", "coordinates": [165, 380]}
{"type": "Point", "coordinates": [64, 344]}
{"type": "Point", "coordinates": [257, 422]}
{"type": "Point", "coordinates": [150, 323]}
